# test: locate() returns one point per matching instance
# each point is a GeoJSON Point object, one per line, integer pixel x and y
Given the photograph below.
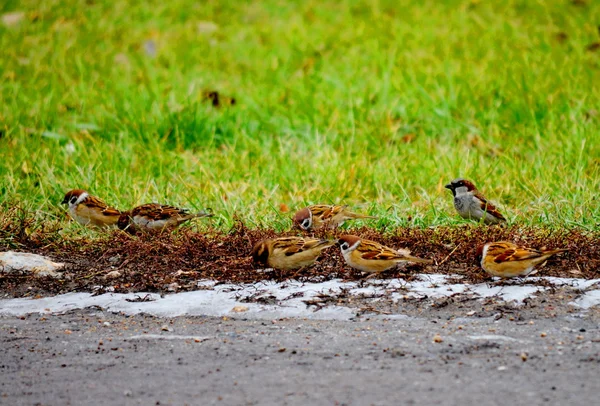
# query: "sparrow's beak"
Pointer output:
{"type": "Point", "coordinates": [449, 186]}
{"type": "Point", "coordinates": [65, 201]}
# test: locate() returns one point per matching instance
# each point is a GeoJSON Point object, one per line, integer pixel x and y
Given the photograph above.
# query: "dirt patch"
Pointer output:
{"type": "Point", "coordinates": [175, 262]}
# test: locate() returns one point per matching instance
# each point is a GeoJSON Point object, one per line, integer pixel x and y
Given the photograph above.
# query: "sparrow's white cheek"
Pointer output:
{"type": "Point", "coordinates": [462, 189]}
{"type": "Point", "coordinates": [484, 254]}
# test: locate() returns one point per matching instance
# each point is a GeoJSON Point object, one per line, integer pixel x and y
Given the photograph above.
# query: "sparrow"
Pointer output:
{"type": "Point", "coordinates": [507, 260]}
{"type": "Point", "coordinates": [289, 252]}
{"type": "Point", "coordinates": [156, 217]}
{"type": "Point", "coordinates": [471, 204]}
{"type": "Point", "coordinates": [88, 210]}
{"type": "Point", "coordinates": [321, 215]}
{"type": "Point", "coordinates": [370, 256]}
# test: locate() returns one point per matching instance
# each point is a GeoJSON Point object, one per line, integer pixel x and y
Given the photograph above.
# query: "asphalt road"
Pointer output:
{"type": "Point", "coordinates": [90, 357]}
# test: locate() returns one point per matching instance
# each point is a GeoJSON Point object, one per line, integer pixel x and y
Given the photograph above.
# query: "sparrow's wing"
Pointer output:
{"type": "Point", "coordinates": [517, 254]}
{"type": "Point", "coordinates": [487, 206]}
{"type": "Point", "coordinates": [95, 204]}
{"type": "Point", "coordinates": [289, 245]}
{"type": "Point", "coordinates": [323, 211]}
{"type": "Point", "coordinates": [312, 243]}
{"type": "Point", "coordinates": [294, 245]}
{"type": "Point", "coordinates": [155, 212]}
{"type": "Point", "coordinates": [373, 251]}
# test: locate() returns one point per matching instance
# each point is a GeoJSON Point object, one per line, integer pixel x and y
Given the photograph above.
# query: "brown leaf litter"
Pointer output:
{"type": "Point", "coordinates": [174, 262]}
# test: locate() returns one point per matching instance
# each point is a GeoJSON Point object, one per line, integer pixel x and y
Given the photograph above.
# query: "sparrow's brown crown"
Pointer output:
{"type": "Point", "coordinates": [72, 196]}
{"type": "Point", "coordinates": [260, 253]}
{"type": "Point", "coordinates": [124, 221]}
{"type": "Point", "coordinates": [347, 241]}
{"type": "Point", "coordinates": [302, 219]}
{"type": "Point", "coordinates": [460, 182]}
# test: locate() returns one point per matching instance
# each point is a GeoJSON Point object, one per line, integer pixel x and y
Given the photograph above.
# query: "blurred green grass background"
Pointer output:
{"type": "Point", "coordinates": [376, 104]}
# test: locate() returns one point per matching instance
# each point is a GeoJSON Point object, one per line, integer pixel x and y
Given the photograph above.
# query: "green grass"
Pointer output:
{"type": "Point", "coordinates": [376, 104]}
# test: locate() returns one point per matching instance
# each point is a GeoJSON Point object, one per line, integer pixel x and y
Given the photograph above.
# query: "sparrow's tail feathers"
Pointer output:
{"type": "Point", "coordinates": [419, 260]}
{"type": "Point", "coordinates": [549, 253]}
{"type": "Point", "coordinates": [325, 244]}
{"type": "Point", "coordinates": [352, 215]}
{"type": "Point", "coordinates": [203, 213]}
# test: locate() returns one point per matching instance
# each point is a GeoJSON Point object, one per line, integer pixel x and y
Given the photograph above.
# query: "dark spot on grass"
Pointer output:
{"type": "Point", "coordinates": [561, 37]}
{"type": "Point", "coordinates": [593, 47]}
{"type": "Point", "coordinates": [217, 99]}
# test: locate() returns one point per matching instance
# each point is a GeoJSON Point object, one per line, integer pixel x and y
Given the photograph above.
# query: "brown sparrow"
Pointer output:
{"type": "Point", "coordinates": [507, 260]}
{"type": "Point", "coordinates": [320, 215]}
{"type": "Point", "coordinates": [370, 256]}
{"type": "Point", "coordinates": [471, 204]}
{"type": "Point", "coordinates": [156, 217]}
{"type": "Point", "coordinates": [289, 252]}
{"type": "Point", "coordinates": [88, 210]}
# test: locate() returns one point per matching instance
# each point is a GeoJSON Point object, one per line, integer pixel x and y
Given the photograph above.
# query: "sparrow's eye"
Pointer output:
{"type": "Point", "coordinates": [344, 246]}
{"type": "Point", "coordinates": [305, 223]}
{"type": "Point", "coordinates": [73, 200]}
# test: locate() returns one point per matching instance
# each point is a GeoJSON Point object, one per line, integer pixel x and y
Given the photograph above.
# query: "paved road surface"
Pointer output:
{"type": "Point", "coordinates": [89, 357]}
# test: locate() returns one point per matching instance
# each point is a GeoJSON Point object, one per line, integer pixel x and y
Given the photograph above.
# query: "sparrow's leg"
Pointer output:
{"type": "Point", "coordinates": [298, 272]}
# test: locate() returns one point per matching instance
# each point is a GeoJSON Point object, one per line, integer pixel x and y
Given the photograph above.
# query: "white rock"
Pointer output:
{"type": "Point", "coordinates": [112, 275]}
{"type": "Point", "coordinates": [11, 261]}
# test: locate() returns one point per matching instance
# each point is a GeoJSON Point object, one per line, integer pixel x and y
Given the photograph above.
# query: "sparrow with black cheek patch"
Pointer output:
{"type": "Point", "coordinates": [507, 260]}
{"type": "Point", "coordinates": [471, 204]}
{"type": "Point", "coordinates": [88, 210]}
{"type": "Point", "coordinates": [370, 256]}
{"type": "Point", "coordinates": [289, 252]}
{"type": "Point", "coordinates": [156, 217]}
{"type": "Point", "coordinates": [321, 215]}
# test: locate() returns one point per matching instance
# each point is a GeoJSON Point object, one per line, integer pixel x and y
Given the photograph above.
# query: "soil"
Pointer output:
{"type": "Point", "coordinates": [175, 262]}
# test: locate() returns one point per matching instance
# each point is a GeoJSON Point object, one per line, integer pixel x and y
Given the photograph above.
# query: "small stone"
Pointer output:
{"type": "Point", "coordinates": [240, 309]}
{"type": "Point", "coordinates": [543, 334]}
{"type": "Point", "coordinates": [12, 262]}
{"type": "Point", "coordinates": [437, 338]}
{"type": "Point", "coordinates": [502, 368]}
{"type": "Point", "coordinates": [523, 356]}
{"type": "Point", "coordinates": [166, 328]}
{"type": "Point", "coordinates": [113, 275]}
{"type": "Point", "coordinates": [106, 324]}
{"type": "Point", "coordinates": [282, 349]}
{"type": "Point", "coordinates": [471, 313]}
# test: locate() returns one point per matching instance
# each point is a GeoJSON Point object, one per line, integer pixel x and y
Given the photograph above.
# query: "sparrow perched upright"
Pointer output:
{"type": "Point", "coordinates": [507, 260]}
{"type": "Point", "coordinates": [321, 215]}
{"type": "Point", "coordinates": [370, 256]}
{"type": "Point", "coordinates": [289, 252]}
{"type": "Point", "coordinates": [88, 210]}
{"type": "Point", "coordinates": [471, 204]}
{"type": "Point", "coordinates": [156, 217]}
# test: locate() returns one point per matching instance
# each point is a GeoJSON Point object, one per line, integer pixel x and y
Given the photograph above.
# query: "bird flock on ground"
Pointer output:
{"type": "Point", "coordinates": [502, 258]}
